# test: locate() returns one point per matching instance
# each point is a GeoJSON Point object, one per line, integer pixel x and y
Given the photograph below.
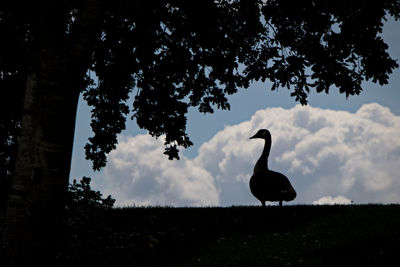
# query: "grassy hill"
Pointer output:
{"type": "Point", "coordinates": [356, 235]}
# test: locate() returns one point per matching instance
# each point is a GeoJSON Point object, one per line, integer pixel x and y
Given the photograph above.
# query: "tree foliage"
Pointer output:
{"type": "Point", "coordinates": [82, 197]}
{"type": "Point", "coordinates": [85, 213]}
{"type": "Point", "coordinates": [174, 55]}
{"type": "Point", "coordinates": [175, 59]}
{"type": "Point", "coordinates": [319, 44]}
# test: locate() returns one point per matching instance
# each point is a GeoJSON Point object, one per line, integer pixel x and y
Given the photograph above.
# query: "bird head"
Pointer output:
{"type": "Point", "coordinates": [263, 134]}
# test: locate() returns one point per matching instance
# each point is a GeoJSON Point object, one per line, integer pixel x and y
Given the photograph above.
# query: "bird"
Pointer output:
{"type": "Point", "coordinates": [267, 185]}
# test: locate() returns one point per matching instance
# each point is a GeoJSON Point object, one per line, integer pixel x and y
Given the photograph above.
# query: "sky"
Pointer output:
{"type": "Point", "coordinates": [334, 150]}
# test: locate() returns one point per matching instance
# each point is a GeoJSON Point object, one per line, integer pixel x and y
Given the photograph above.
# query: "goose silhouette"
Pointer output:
{"type": "Point", "coordinates": [267, 185]}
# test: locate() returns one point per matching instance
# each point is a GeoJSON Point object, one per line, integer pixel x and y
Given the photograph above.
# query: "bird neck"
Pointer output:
{"type": "Point", "coordinates": [262, 163]}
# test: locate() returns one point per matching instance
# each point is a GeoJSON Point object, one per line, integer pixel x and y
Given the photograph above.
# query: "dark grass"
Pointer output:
{"type": "Point", "coordinates": [354, 235]}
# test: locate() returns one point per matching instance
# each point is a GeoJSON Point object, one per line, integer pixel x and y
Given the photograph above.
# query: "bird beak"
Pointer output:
{"type": "Point", "coordinates": [254, 136]}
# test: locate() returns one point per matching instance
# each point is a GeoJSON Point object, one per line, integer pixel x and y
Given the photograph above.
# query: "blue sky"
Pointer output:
{"type": "Point", "coordinates": [132, 183]}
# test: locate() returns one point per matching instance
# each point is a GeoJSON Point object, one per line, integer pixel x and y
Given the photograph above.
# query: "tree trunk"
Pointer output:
{"type": "Point", "coordinates": [37, 198]}
{"type": "Point", "coordinates": [36, 201]}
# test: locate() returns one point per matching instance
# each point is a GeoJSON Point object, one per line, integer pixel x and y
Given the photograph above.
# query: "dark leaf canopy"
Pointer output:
{"type": "Point", "coordinates": [319, 44]}
{"type": "Point", "coordinates": [169, 56]}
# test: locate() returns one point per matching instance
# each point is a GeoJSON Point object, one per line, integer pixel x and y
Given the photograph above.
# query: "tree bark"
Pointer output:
{"type": "Point", "coordinates": [40, 181]}
{"type": "Point", "coordinates": [37, 199]}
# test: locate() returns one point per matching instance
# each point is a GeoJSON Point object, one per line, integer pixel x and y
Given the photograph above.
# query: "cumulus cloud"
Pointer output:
{"type": "Point", "coordinates": [329, 200]}
{"type": "Point", "coordinates": [138, 173]}
{"type": "Point", "coordinates": [323, 152]}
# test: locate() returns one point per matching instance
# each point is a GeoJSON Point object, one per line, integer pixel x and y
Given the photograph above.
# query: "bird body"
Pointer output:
{"type": "Point", "coordinates": [271, 186]}
{"type": "Point", "coordinates": [267, 185]}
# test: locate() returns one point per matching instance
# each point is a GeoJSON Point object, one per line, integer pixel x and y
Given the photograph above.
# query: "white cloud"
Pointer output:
{"type": "Point", "coordinates": [329, 200]}
{"type": "Point", "coordinates": [138, 173]}
{"type": "Point", "coordinates": [323, 152]}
